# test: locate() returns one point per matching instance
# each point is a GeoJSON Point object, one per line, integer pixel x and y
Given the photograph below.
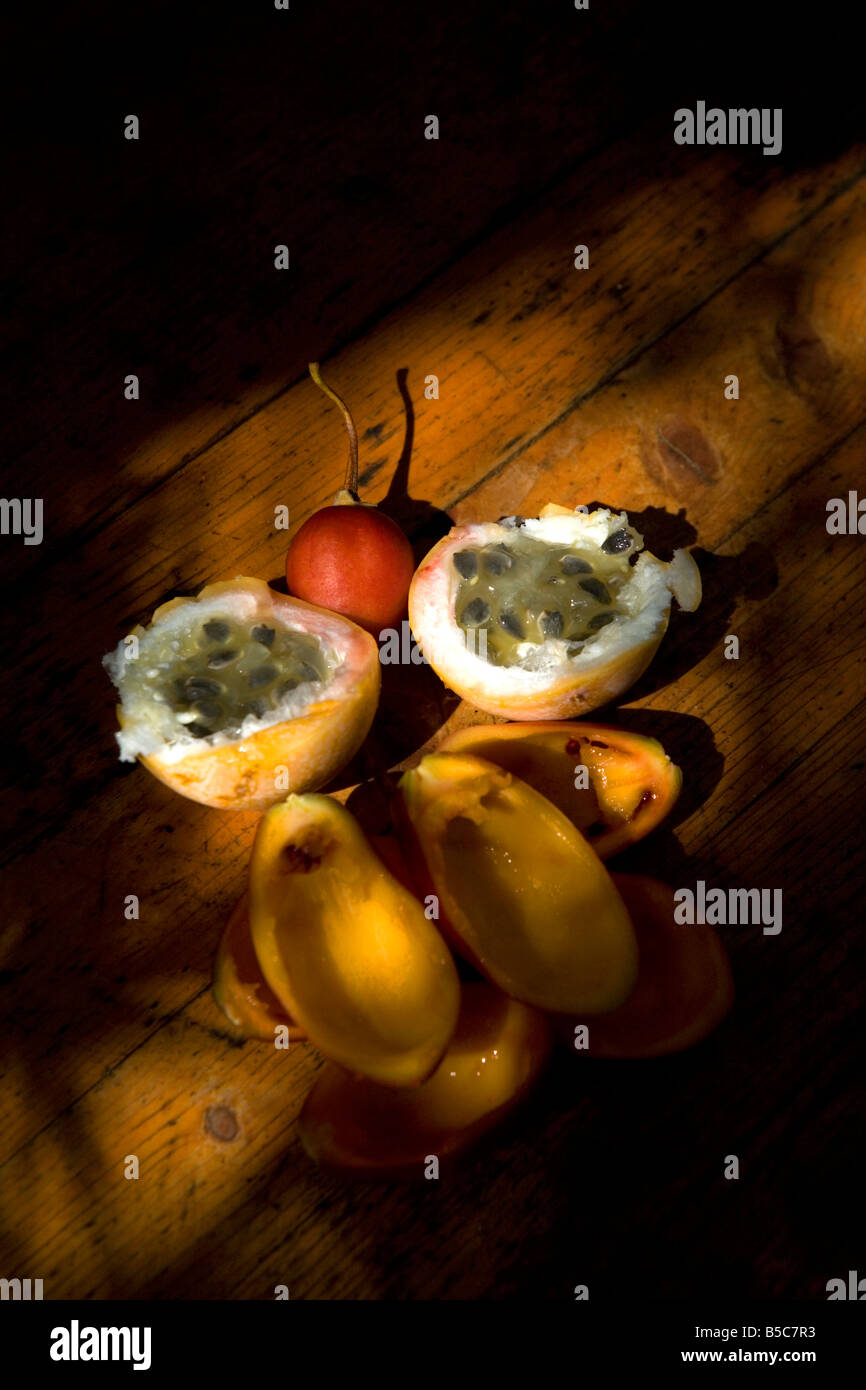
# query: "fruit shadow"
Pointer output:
{"type": "Point", "coordinates": [423, 522]}
{"type": "Point", "coordinates": [726, 580]}
{"type": "Point", "coordinates": [414, 703]}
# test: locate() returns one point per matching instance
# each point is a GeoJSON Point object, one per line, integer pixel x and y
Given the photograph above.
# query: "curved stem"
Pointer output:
{"type": "Point", "coordinates": [351, 483]}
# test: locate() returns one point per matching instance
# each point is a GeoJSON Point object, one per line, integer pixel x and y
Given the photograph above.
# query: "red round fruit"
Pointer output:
{"type": "Point", "coordinates": [354, 560]}
{"type": "Point", "coordinates": [351, 558]}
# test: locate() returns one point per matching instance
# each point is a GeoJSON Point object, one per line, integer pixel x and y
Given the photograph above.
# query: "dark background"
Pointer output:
{"type": "Point", "coordinates": [109, 261]}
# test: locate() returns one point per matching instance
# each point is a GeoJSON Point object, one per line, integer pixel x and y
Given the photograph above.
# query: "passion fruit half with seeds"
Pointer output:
{"type": "Point", "coordinates": [546, 618]}
{"type": "Point", "coordinates": [241, 695]}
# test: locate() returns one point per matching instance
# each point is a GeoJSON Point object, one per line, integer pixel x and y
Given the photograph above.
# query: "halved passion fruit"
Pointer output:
{"type": "Point", "coordinates": [498, 1051]}
{"type": "Point", "coordinates": [522, 894]}
{"type": "Point", "coordinates": [346, 949]}
{"type": "Point", "coordinates": [684, 986]}
{"type": "Point", "coordinates": [632, 782]}
{"type": "Point", "coordinates": [545, 618]}
{"type": "Point", "coordinates": [240, 695]}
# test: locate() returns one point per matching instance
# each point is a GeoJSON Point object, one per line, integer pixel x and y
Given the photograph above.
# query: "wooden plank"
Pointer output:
{"type": "Point", "coordinates": [479, 328]}
{"type": "Point", "coordinates": [129, 819]}
{"type": "Point", "coordinates": [286, 1223]}
{"type": "Point", "coordinates": [156, 256]}
{"type": "Point", "coordinates": [661, 433]}
{"type": "Point", "coordinates": [216, 515]}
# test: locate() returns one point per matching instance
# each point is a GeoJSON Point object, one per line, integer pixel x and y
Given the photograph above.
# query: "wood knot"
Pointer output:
{"type": "Point", "coordinates": [681, 456]}
{"type": "Point", "coordinates": [220, 1123]}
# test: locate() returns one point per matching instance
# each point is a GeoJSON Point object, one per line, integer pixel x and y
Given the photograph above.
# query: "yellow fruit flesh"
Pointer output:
{"type": "Point", "coordinates": [536, 758]}
{"type": "Point", "coordinates": [524, 893]}
{"type": "Point", "coordinates": [346, 949]}
{"type": "Point", "coordinates": [623, 782]}
{"type": "Point", "coordinates": [239, 987]}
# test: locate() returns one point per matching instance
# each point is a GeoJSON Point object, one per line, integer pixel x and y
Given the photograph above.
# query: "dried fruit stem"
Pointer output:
{"type": "Point", "coordinates": [351, 483]}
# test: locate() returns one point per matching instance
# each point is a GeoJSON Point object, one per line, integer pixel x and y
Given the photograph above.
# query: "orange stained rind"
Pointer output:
{"type": "Point", "coordinates": [631, 783]}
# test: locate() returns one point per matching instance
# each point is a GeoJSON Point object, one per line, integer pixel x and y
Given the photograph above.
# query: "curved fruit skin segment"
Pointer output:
{"type": "Point", "coordinates": [354, 560]}
{"type": "Point", "coordinates": [632, 782]}
{"type": "Point", "coordinates": [684, 986]}
{"type": "Point", "coordinates": [345, 948]}
{"type": "Point", "coordinates": [498, 1051]}
{"type": "Point", "coordinates": [312, 747]}
{"type": "Point", "coordinates": [240, 988]}
{"type": "Point", "coordinates": [566, 692]}
{"type": "Point", "coordinates": [522, 894]}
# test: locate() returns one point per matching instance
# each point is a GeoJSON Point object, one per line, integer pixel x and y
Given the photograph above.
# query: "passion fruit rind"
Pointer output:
{"type": "Point", "coordinates": [240, 695]}
{"type": "Point", "coordinates": [546, 617]}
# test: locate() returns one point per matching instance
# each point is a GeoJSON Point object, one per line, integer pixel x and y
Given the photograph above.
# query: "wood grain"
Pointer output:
{"type": "Point", "coordinates": [166, 543]}
{"type": "Point", "coordinates": [604, 385]}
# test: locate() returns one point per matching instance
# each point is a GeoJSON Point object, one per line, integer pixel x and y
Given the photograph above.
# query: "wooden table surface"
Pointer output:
{"type": "Point", "coordinates": [411, 257]}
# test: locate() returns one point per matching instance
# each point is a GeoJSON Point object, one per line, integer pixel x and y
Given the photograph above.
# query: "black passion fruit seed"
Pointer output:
{"type": "Point", "coordinates": [596, 588]}
{"type": "Point", "coordinates": [475, 613]}
{"type": "Point", "coordinates": [466, 563]}
{"type": "Point", "coordinates": [601, 620]}
{"type": "Point", "coordinates": [617, 543]}
{"type": "Point", "coordinates": [309, 673]}
{"type": "Point", "coordinates": [208, 709]}
{"type": "Point", "coordinates": [512, 624]}
{"type": "Point", "coordinates": [551, 624]}
{"type": "Point", "coordinates": [217, 630]}
{"type": "Point", "coordinates": [572, 564]}
{"type": "Point", "coordinates": [220, 659]}
{"type": "Point", "coordinates": [497, 560]}
{"type": "Point", "coordinates": [263, 675]}
{"type": "Point", "coordinates": [196, 686]}
{"type": "Point", "coordinates": [263, 634]}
